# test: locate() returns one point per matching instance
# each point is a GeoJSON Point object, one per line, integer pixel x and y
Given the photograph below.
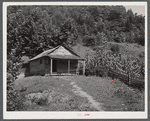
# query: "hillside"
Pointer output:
{"type": "Point", "coordinates": [127, 48]}
{"type": "Point", "coordinates": [43, 27]}
{"type": "Point", "coordinates": [132, 50]}
{"type": "Point", "coordinates": [83, 50]}
{"type": "Point", "coordinates": [78, 93]}
{"type": "Point", "coordinates": [34, 29]}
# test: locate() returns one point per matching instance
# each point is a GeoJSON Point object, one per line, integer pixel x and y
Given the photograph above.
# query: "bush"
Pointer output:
{"type": "Point", "coordinates": [88, 40]}
{"type": "Point", "coordinates": [117, 39]}
{"type": "Point", "coordinates": [40, 101]}
{"type": "Point", "coordinates": [133, 99]}
{"type": "Point", "coordinates": [89, 72]}
{"type": "Point", "coordinates": [101, 73]}
{"type": "Point", "coordinates": [142, 55]}
{"type": "Point", "coordinates": [115, 48]}
{"type": "Point", "coordinates": [23, 89]}
{"type": "Point", "coordinates": [15, 101]}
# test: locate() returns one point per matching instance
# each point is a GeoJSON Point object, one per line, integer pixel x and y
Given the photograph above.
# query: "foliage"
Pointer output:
{"type": "Point", "coordinates": [113, 60]}
{"type": "Point", "coordinates": [14, 98]}
{"type": "Point", "coordinates": [131, 97]}
{"type": "Point", "coordinates": [42, 27]}
{"type": "Point", "coordinates": [114, 15]}
{"type": "Point", "coordinates": [40, 101]}
{"type": "Point", "coordinates": [30, 31]}
{"type": "Point", "coordinates": [88, 40]}
{"type": "Point", "coordinates": [115, 48]}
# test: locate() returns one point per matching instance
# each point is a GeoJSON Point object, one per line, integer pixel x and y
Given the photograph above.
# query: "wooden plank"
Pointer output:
{"type": "Point", "coordinates": [51, 66]}
{"type": "Point", "coordinates": [132, 81]}
{"type": "Point", "coordinates": [68, 66]}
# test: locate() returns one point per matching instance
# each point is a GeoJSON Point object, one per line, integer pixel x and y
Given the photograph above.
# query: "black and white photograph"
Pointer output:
{"type": "Point", "coordinates": [75, 60]}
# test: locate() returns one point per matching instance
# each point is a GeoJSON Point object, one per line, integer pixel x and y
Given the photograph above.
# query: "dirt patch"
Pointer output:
{"type": "Point", "coordinates": [78, 91]}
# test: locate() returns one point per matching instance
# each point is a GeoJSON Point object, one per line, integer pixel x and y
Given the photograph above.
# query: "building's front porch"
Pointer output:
{"type": "Point", "coordinates": [64, 67]}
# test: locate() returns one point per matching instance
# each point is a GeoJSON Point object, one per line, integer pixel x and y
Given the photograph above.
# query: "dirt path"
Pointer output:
{"type": "Point", "coordinates": [78, 91]}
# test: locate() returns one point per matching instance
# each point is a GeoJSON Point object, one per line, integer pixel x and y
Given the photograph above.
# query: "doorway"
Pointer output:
{"type": "Point", "coordinates": [54, 67]}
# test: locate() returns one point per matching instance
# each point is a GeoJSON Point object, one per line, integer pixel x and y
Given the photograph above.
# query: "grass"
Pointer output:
{"type": "Point", "coordinates": [114, 95]}
{"type": "Point", "coordinates": [60, 102]}
{"type": "Point", "coordinates": [132, 50]}
{"type": "Point", "coordinates": [62, 98]}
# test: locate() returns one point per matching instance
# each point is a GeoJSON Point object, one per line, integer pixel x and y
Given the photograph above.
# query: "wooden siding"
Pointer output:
{"type": "Point", "coordinates": [47, 65]}
{"type": "Point", "coordinates": [38, 67]}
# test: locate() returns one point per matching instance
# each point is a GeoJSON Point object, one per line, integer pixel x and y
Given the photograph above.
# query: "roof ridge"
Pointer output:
{"type": "Point", "coordinates": [71, 50]}
{"type": "Point", "coordinates": [47, 52]}
{"type": "Point", "coordinates": [54, 49]}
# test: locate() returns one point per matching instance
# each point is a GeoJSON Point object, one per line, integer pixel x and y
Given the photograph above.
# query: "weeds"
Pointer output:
{"type": "Point", "coordinates": [23, 89]}
{"type": "Point", "coordinates": [133, 98]}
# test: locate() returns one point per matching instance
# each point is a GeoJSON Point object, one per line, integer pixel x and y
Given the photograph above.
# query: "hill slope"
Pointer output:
{"type": "Point", "coordinates": [83, 50]}
{"type": "Point", "coordinates": [127, 48]}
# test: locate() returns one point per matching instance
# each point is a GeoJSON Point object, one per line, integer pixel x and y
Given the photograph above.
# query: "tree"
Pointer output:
{"type": "Point", "coordinates": [128, 25]}
{"type": "Point", "coordinates": [130, 16]}
{"type": "Point", "coordinates": [30, 34]}
{"type": "Point", "coordinates": [114, 15]}
{"type": "Point", "coordinates": [88, 40]}
{"type": "Point", "coordinates": [94, 12]}
{"type": "Point", "coordinates": [100, 26]}
{"type": "Point", "coordinates": [141, 39]}
{"type": "Point", "coordinates": [115, 48]}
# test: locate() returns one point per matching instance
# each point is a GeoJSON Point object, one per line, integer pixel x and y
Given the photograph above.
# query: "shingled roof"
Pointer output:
{"type": "Point", "coordinates": [56, 54]}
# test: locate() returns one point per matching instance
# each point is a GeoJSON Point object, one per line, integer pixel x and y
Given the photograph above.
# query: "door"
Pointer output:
{"type": "Point", "coordinates": [54, 69]}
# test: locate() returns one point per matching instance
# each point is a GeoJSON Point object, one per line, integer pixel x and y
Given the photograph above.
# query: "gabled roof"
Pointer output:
{"type": "Point", "coordinates": [59, 52]}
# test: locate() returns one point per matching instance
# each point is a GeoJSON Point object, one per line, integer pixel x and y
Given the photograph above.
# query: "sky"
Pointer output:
{"type": "Point", "coordinates": [136, 9]}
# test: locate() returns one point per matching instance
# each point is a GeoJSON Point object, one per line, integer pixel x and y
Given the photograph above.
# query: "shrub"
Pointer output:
{"type": "Point", "coordinates": [142, 55]}
{"type": "Point", "coordinates": [40, 101]}
{"type": "Point", "coordinates": [133, 98]}
{"type": "Point", "coordinates": [115, 48]}
{"type": "Point", "coordinates": [23, 89]}
{"type": "Point", "coordinates": [15, 101]}
{"type": "Point", "coordinates": [117, 39]}
{"type": "Point", "coordinates": [90, 72]}
{"type": "Point", "coordinates": [101, 73]}
{"type": "Point", "coordinates": [88, 40]}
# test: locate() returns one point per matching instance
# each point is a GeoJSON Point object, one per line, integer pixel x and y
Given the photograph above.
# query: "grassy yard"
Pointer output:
{"type": "Point", "coordinates": [59, 95]}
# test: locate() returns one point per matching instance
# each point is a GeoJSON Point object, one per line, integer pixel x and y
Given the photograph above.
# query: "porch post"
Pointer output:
{"type": "Point", "coordinates": [84, 67]}
{"type": "Point", "coordinates": [51, 66]}
{"type": "Point", "coordinates": [68, 66]}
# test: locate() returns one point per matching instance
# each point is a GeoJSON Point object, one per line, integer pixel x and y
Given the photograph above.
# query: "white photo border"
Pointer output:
{"type": "Point", "coordinates": [70, 114]}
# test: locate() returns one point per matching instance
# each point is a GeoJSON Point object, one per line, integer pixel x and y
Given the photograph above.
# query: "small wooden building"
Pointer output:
{"type": "Point", "coordinates": [57, 61]}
